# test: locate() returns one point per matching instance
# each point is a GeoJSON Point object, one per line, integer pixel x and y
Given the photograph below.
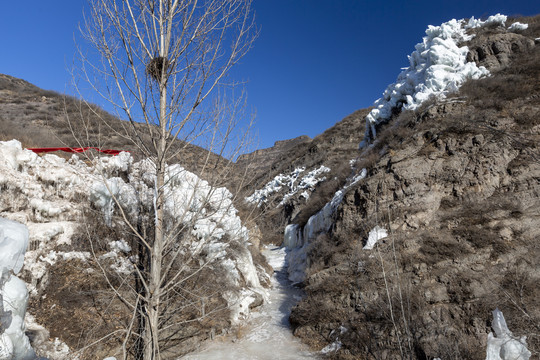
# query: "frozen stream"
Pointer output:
{"type": "Point", "coordinates": [268, 335]}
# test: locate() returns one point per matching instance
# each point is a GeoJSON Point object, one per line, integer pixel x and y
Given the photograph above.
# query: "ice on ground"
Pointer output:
{"type": "Point", "coordinates": [14, 343]}
{"type": "Point", "coordinates": [503, 345]}
{"type": "Point", "coordinates": [297, 239]}
{"type": "Point", "coordinates": [376, 234]}
{"type": "Point", "coordinates": [437, 67]}
{"type": "Point", "coordinates": [49, 194]}
{"type": "Point", "coordinates": [294, 184]}
{"type": "Point", "coordinates": [268, 334]}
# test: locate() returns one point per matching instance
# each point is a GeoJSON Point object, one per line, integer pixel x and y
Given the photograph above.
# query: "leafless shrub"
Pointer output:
{"type": "Point", "coordinates": [517, 294]}
{"type": "Point", "coordinates": [440, 248]}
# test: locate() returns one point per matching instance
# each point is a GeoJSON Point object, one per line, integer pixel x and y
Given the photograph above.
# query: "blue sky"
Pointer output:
{"type": "Point", "coordinates": [315, 61]}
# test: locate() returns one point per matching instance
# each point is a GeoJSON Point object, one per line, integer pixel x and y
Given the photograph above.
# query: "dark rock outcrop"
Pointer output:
{"type": "Point", "coordinates": [495, 51]}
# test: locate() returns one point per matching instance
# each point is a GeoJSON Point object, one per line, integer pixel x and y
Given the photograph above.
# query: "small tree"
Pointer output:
{"type": "Point", "coordinates": [160, 64]}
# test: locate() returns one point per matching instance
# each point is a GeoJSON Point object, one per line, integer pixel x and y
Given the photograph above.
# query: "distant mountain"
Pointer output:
{"type": "Point", "coordinates": [261, 160]}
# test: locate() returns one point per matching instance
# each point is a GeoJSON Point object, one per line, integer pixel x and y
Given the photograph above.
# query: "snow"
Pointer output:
{"type": "Point", "coordinates": [120, 245]}
{"type": "Point", "coordinates": [333, 347]}
{"type": "Point", "coordinates": [105, 194]}
{"type": "Point", "coordinates": [304, 185]}
{"type": "Point", "coordinates": [437, 67]}
{"type": "Point", "coordinates": [517, 26]}
{"type": "Point", "coordinates": [14, 343]}
{"type": "Point", "coordinates": [48, 193]}
{"type": "Point", "coordinates": [503, 345]}
{"type": "Point", "coordinates": [336, 345]}
{"type": "Point", "coordinates": [493, 20]}
{"type": "Point", "coordinates": [54, 256]}
{"type": "Point", "coordinates": [13, 245]}
{"type": "Point", "coordinates": [238, 303]}
{"type": "Point", "coordinates": [297, 240]}
{"type": "Point", "coordinates": [376, 234]}
{"type": "Point", "coordinates": [13, 158]}
{"type": "Point", "coordinates": [190, 203]}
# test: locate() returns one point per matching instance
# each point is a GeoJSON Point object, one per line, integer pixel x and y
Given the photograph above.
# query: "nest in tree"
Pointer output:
{"type": "Point", "coordinates": [156, 67]}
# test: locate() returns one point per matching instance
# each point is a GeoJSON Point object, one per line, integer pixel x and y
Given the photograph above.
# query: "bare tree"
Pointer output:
{"type": "Point", "coordinates": [163, 64]}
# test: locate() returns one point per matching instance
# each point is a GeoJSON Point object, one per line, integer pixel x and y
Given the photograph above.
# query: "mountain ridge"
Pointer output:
{"type": "Point", "coordinates": [406, 246]}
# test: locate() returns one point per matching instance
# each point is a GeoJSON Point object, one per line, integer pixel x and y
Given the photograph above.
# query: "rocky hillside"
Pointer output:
{"type": "Point", "coordinates": [261, 161]}
{"type": "Point", "coordinates": [43, 118]}
{"type": "Point", "coordinates": [403, 245]}
{"type": "Point", "coordinates": [409, 259]}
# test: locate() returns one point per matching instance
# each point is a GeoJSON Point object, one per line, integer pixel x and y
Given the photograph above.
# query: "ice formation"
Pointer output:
{"type": "Point", "coordinates": [297, 239]}
{"type": "Point", "coordinates": [46, 193]}
{"type": "Point", "coordinates": [267, 334]}
{"type": "Point", "coordinates": [14, 343]}
{"type": "Point", "coordinates": [503, 345]}
{"type": "Point", "coordinates": [305, 185]}
{"type": "Point", "coordinates": [376, 234]}
{"type": "Point", "coordinates": [437, 67]}
{"type": "Point", "coordinates": [517, 26]}
{"type": "Point", "coordinates": [205, 212]}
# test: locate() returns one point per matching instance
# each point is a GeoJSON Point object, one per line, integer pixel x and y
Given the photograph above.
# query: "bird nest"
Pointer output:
{"type": "Point", "coordinates": [156, 67]}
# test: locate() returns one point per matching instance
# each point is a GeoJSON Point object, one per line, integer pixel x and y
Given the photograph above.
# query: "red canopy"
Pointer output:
{"type": "Point", "coordinates": [75, 150]}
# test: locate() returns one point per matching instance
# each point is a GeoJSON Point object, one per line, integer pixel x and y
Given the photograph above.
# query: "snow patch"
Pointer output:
{"type": "Point", "coordinates": [51, 189]}
{"type": "Point", "coordinates": [333, 347]}
{"type": "Point", "coordinates": [14, 343]}
{"type": "Point", "coordinates": [292, 182]}
{"type": "Point", "coordinates": [13, 245]}
{"type": "Point", "coordinates": [517, 26]}
{"type": "Point", "coordinates": [376, 234]}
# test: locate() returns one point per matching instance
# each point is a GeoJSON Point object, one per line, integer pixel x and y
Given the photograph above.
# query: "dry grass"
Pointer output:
{"type": "Point", "coordinates": [42, 118]}
{"type": "Point", "coordinates": [503, 109]}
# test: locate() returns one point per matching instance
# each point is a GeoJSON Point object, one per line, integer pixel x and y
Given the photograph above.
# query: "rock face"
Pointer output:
{"type": "Point", "coordinates": [451, 193]}
{"type": "Point", "coordinates": [262, 160]}
{"type": "Point", "coordinates": [456, 185]}
{"type": "Point", "coordinates": [460, 205]}
{"type": "Point", "coordinates": [494, 51]}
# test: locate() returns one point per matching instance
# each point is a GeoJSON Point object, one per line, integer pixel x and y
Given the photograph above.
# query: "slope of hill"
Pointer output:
{"type": "Point", "coordinates": [43, 118]}
{"type": "Point", "coordinates": [410, 260]}
{"type": "Point", "coordinates": [79, 246]}
{"type": "Point", "coordinates": [260, 161]}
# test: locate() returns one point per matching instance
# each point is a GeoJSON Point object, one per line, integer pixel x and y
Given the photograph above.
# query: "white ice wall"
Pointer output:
{"type": "Point", "coordinates": [437, 67]}
{"type": "Point", "coordinates": [297, 240]}
{"type": "Point", "coordinates": [14, 344]}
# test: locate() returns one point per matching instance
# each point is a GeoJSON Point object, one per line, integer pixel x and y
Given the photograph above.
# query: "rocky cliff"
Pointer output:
{"type": "Point", "coordinates": [442, 229]}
